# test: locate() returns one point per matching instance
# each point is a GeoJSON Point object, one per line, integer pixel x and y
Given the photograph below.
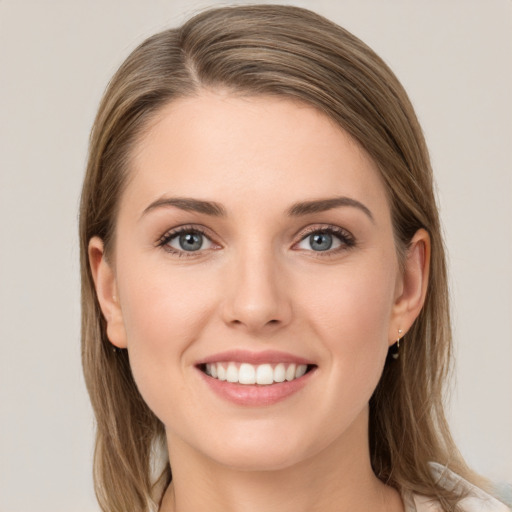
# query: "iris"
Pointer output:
{"type": "Point", "coordinates": [191, 241]}
{"type": "Point", "coordinates": [320, 241]}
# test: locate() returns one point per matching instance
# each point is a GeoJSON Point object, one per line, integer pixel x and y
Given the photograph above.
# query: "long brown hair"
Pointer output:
{"type": "Point", "coordinates": [294, 53]}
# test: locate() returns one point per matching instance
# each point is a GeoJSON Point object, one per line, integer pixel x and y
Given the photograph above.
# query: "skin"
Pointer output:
{"type": "Point", "coordinates": [258, 284]}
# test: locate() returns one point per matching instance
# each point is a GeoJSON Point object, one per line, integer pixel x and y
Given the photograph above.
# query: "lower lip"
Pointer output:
{"type": "Point", "coordinates": [256, 395]}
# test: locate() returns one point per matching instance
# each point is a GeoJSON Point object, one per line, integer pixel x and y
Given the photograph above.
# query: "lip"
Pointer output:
{"type": "Point", "coordinates": [253, 395]}
{"type": "Point", "coordinates": [246, 356]}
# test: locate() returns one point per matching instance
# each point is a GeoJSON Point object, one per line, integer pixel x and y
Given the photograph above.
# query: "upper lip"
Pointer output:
{"type": "Point", "coordinates": [246, 356]}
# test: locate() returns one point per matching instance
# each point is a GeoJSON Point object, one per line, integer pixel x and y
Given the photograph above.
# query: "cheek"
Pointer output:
{"type": "Point", "coordinates": [354, 305]}
{"type": "Point", "coordinates": [164, 313]}
{"type": "Point", "coordinates": [161, 303]}
{"type": "Point", "coordinates": [350, 312]}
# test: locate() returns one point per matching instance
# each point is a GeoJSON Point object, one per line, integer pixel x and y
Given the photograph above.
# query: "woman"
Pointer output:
{"type": "Point", "coordinates": [264, 286]}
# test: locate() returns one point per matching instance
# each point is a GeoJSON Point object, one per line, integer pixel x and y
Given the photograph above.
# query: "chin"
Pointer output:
{"type": "Point", "coordinates": [263, 449]}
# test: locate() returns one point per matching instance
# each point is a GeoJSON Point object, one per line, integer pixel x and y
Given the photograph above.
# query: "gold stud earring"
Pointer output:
{"type": "Point", "coordinates": [395, 349]}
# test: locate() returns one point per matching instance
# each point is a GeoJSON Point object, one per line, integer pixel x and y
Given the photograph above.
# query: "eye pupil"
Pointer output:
{"type": "Point", "coordinates": [191, 241]}
{"type": "Point", "coordinates": [320, 241]}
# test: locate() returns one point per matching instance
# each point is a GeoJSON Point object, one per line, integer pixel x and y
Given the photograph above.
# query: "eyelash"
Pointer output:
{"type": "Point", "coordinates": [163, 242]}
{"type": "Point", "coordinates": [345, 237]}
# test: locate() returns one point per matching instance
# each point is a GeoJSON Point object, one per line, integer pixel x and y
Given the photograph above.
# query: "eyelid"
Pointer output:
{"type": "Point", "coordinates": [346, 237]}
{"type": "Point", "coordinates": [164, 240]}
{"type": "Point", "coordinates": [325, 228]}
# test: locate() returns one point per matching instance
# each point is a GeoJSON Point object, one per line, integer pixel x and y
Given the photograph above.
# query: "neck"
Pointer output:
{"type": "Point", "coordinates": [339, 479]}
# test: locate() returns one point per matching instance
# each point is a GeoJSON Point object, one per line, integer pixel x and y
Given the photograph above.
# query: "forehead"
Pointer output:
{"type": "Point", "coordinates": [228, 148]}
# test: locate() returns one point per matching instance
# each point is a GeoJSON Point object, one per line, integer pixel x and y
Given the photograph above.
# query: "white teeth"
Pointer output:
{"type": "Point", "coordinates": [280, 373]}
{"type": "Point", "coordinates": [290, 372]}
{"type": "Point", "coordinates": [221, 372]}
{"type": "Point", "coordinates": [300, 371]}
{"type": "Point", "coordinates": [247, 374]}
{"type": "Point", "coordinates": [263, 374]}
{"type": "Point", "coordinates": [232, 373]}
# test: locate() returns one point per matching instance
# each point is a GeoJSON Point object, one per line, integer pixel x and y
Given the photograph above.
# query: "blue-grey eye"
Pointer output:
{"type": "Point", "coordinates": [320, 241]}
{"type": "Point", "coordinates": [189, 241]}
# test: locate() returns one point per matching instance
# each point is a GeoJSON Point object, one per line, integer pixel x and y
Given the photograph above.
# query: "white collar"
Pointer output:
{"type": "Point", "coordinates": [475, 500]}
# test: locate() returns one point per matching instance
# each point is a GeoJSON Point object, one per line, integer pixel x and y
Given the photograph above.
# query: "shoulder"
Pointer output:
{"type": "Point", "coordinates": [475, 499]}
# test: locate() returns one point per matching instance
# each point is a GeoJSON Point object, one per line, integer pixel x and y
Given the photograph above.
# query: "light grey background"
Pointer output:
{"type": "Point", "coordinates": [454, 58]}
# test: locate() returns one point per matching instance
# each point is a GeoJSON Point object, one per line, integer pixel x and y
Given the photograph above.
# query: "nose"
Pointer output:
{"type": "Point", "coordinates": [256, 298]}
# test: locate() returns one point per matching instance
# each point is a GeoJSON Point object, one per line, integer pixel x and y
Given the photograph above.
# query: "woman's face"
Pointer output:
{"type": "Point", "coordinates": [254, 242]}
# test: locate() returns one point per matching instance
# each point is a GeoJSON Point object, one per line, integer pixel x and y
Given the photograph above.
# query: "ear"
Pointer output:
{"type": "Point", "coordinates": [411, 286]}
{"type": "Point", "coordinates": [106, 291]}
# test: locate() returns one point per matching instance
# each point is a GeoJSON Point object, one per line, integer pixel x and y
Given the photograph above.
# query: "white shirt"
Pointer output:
{"type": "Point", "coordinates": [475, 501]}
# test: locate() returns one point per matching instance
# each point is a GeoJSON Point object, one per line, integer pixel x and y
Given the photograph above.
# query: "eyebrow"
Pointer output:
{"type": "Point", "coordinates": [296, 210]}
{"type": "Point", "coordinates": [323, 205]}
{"type": "Point", "coordinates": [188, 204]}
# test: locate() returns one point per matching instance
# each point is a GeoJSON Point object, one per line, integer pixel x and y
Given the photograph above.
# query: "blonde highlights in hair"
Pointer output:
{"type": "Point", "coordinates": [294, 53]}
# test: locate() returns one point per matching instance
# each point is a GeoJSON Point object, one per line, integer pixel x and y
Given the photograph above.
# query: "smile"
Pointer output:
{"type": "Point", "coordinates": [256, 379]}
{"type": "Point", "coordinates": [260, 374]}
